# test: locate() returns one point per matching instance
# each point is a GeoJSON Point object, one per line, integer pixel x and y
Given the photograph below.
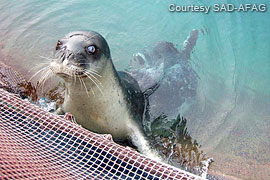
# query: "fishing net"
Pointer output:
{"type": "Point", "coordinates": [35, 144]}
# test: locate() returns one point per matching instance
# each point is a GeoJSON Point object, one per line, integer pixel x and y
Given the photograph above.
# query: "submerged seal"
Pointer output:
{"type": "Point", "coordinates": [100, 98]}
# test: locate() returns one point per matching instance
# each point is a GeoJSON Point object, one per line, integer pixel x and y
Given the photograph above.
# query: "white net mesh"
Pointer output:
{"type": "Point", "coordinates": [35, 144]}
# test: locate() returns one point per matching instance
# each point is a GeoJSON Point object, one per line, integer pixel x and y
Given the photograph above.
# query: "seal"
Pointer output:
{"type": "Point", "coordinates": [101, 99]}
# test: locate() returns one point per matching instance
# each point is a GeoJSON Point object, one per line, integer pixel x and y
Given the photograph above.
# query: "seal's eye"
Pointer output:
{"type": "Point", "coordinates": [58, 44]}
{"type": "Point", "coordinates": [91, 49]}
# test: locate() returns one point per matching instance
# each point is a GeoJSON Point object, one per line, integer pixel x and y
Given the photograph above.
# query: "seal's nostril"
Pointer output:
{"type": "Point", "coordinates": [69, 54]}
{"type": "Point", "coordinates": [63, 57]}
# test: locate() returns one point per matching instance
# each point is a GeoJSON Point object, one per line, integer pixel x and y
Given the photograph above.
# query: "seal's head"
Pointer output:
{"type": "Point", "coordinates": [79, 53]}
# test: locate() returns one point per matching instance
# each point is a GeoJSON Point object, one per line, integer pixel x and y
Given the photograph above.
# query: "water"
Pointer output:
{"type": "Point", "coordinates": [231, 117]}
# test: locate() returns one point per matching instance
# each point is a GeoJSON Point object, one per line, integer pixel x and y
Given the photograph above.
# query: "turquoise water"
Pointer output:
{"type": "Point", "coordinates": [232, 57]}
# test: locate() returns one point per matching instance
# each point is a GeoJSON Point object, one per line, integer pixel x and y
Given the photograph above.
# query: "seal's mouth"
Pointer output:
{"type": "Point", "coordinates": [65, 75]}
{"type": "Point", "coordinates": [67, 71]}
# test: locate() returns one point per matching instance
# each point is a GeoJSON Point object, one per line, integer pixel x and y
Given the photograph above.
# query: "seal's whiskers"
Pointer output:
{"type": "Point", "coordinates": [96, 67]}
{"type": "Point", "coordinates": [74, 77]}
{"type": "Point", "coordinates": [47, 58]}
{"type": "Point", "coordinates": [94, 83]}
{"type": "Point", "coordinates": [92, 75]}
{"type": "Point", "coordinates": [80, 79]}
{"type": "Point", "coordinates": [38, 66]}
{"type": "Point", "coordinates": [87, 90]}
{"type": "Point", "coordinates": [41, 70]}
{"type": "Point", "coordinates": [46, 77]}
{"type": "Point", "coordinates": [93, 72]}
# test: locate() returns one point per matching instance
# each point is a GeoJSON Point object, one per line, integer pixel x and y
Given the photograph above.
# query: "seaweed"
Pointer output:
{"type": "Point", "coordinates": [56, 94]}
{"type": "Point", "coordinates": [27, 90]}
{"type": "Point", "coordinates": [174, 143]}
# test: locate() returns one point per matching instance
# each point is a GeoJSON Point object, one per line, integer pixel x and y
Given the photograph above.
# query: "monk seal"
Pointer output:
{"type": "Point", "coordinates": [101, 99]}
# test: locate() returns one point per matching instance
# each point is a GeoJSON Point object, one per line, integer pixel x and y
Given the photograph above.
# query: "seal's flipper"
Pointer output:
{"type": "Point", "coordinates": [189, 44]}
{"type": "Point", "coordinates": [59, 111]}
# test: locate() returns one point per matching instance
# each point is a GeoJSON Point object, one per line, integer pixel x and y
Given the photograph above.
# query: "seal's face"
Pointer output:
{"type": "Point", "coordinates": [79, 53]}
